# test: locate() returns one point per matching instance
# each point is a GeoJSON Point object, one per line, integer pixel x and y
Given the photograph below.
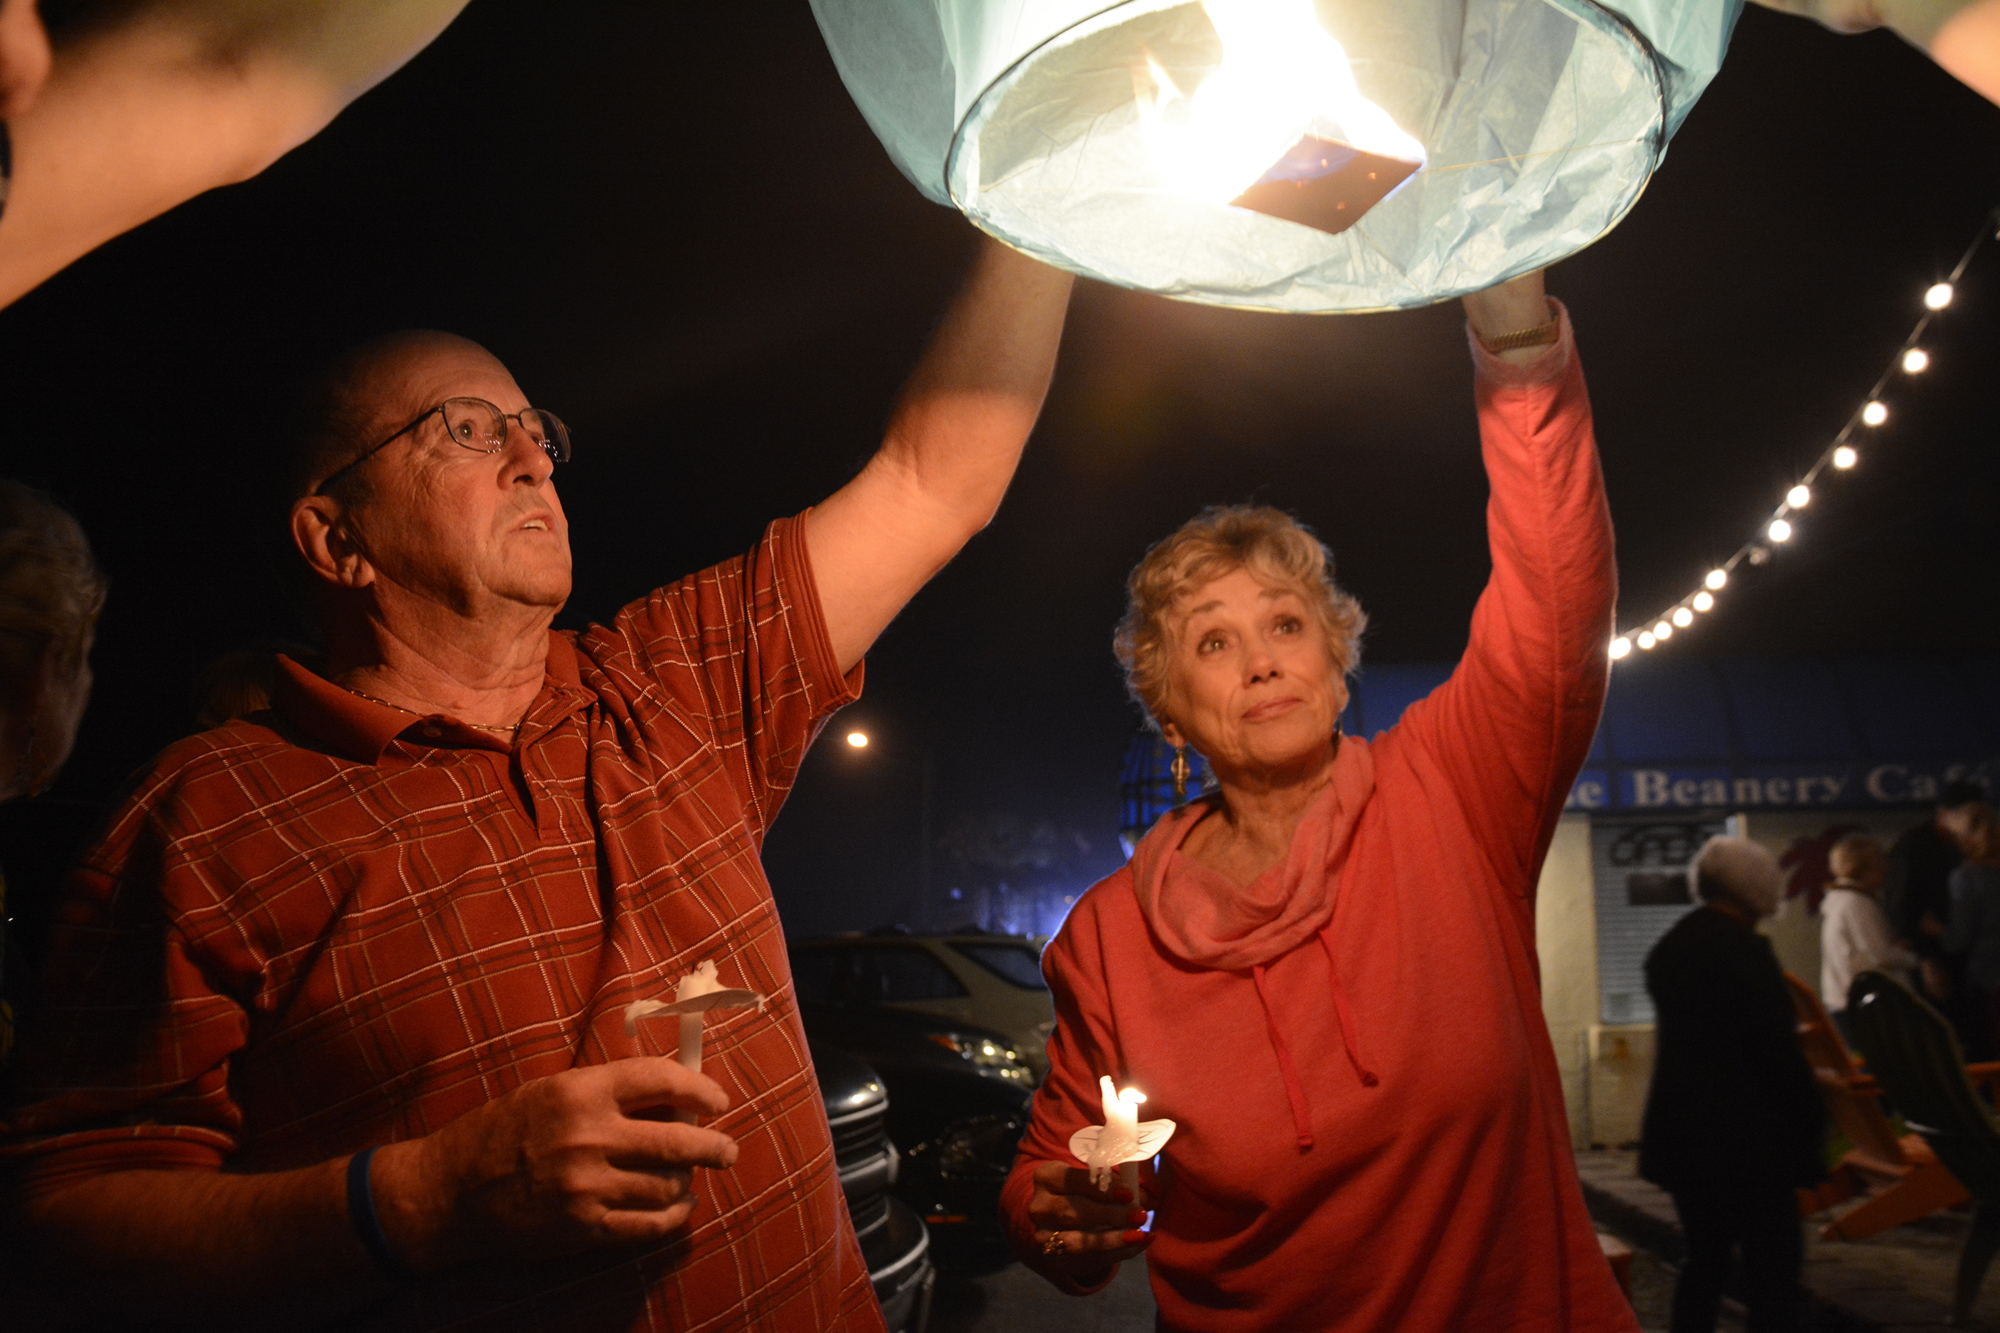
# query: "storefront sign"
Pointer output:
{"type": "Point", "coordinates": [1768, 787]}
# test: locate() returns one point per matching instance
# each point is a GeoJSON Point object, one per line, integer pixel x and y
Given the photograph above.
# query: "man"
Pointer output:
{"type": "Point", "coordinates": [404, 911]}
{"type": "Point", "coordinates": [1916, 894]}
{"type": "Point", "coordinates": [1734, 1121]}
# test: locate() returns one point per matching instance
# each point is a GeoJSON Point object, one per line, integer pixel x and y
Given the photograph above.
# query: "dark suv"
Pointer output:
{"type": "Point", "coordinates": [894, 1240]}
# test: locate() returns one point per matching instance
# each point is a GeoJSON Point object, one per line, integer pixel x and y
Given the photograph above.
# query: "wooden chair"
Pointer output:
{"type": "Point", "coordinates": [1904, 1177]}
{"type": "Point", "coordinates": [1911, 1048]}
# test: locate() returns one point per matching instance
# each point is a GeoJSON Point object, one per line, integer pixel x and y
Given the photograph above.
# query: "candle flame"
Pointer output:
{"type": "Point", "coordinates": [1131, 1096]}
{"type": "Point", "coordinates": [1282, 77]}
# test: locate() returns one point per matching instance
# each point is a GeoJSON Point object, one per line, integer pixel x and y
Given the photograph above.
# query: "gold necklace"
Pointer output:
{"type": "Point", "coordinates": [497, 728]}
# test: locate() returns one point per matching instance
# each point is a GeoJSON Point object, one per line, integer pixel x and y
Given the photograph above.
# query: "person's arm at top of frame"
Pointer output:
{"type": "Point", "coordinates": [1963, 36]}
{"type": "Point", "coordinates": [950, 449]}
{"type": "Point", "coordinates": [153, 102]}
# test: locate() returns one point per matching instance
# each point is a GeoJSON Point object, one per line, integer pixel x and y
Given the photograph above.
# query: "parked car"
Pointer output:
{"type": "Point", "coordinates": [994, 981]}
{"type": "Point", "coordinates": [957, 1104]}
{"type": "Point", "coordinates": [895, 1242]}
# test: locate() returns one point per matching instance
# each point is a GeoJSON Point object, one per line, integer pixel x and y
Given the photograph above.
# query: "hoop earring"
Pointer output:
{"type": "Point", "coordinates": [1180, 772]}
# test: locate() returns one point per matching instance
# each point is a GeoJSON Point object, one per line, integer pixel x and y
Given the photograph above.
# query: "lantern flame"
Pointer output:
{"type": "Point", "coordinates": [1282, 78]}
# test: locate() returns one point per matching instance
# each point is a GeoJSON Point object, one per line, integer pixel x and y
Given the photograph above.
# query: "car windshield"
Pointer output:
{"type": "Point", "coordinates": [1017, 964]}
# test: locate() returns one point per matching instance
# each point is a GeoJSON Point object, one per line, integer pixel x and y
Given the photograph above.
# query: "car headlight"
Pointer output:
{"type": "Point", "coordinates": [989, 1057]}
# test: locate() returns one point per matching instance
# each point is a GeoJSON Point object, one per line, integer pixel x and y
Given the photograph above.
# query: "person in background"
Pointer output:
{"type": "Point", "coordinates": [1916, 892]}
{"type": "Point", "coordinates": [241, 682]}
{"type": "Point", "coordinates": [1734, 1122]}
{"type": "Point", "coordinates": [50, 597]}
{"type": "Point", "coordinates": [1973, 938]}
{"type": "Point", "coordinates": [1963, 36]}
{"type": "Point", "coordinates": [148, 104]}
{"type": "Point", "coordinates": [1854, 931]}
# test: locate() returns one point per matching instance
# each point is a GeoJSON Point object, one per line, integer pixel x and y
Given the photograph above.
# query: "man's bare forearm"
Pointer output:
{"type": "Point", "coordinates": [247, 1251]}
{"type": "Point", "coordinates": [950, 450]}
{"type": "Point", "coordinates": [161, 101]}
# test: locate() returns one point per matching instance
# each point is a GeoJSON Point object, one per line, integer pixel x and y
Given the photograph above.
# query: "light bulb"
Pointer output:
{"type": "Point", "coordinates": [1939, 296]}
{"type": "Point", "coordinates": [858, 739]}
{"type": "Point", "coordinates": [1845, 457]}
{"type": "Point", "coordinates": [1683, 617]}
{"type": "Point", "coordinates": [1620, 647]}
{"type": "Point", "coordinates": [1875, 413]}
{"type": "Point", "coordinates": [1703, 601]}
{"type": "Point", "coordinates": [1646, 639]}
{"type": "Point", "coordinates": [1662, 632]}
{"type": "Point", "coordinates": [1779, 531]}
{"type": "Point", "coordinates": [1798, 497]}
{"type": "Point", "coordinates": [1716, 578]}
{"type": "Point", "coordinates": [1915, 360]}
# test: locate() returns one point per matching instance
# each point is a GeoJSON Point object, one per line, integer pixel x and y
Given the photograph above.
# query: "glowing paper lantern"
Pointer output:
{"type": "Point", "coordinates": [1282, 154]}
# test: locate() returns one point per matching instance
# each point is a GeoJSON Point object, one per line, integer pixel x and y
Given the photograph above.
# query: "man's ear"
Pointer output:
{"type": "Point", "coordinates": [320, 531]}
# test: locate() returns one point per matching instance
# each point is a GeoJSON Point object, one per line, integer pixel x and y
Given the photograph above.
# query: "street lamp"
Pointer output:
{"type": "Point", "coordinates": [927, 784]}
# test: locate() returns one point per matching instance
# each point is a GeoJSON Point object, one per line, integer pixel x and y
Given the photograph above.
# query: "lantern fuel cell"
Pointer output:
{"type": "Point", "coordinates": [1136, 142]}
{"type": "Point", "coordinates": [1325, 184]}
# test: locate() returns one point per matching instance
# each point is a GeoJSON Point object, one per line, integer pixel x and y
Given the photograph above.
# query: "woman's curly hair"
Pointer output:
{"type": "Point", "coordinates": [1220, 540]}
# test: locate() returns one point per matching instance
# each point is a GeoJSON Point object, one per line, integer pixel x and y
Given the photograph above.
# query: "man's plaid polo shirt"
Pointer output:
{"type": "Point", "coordinates": [329, 926]}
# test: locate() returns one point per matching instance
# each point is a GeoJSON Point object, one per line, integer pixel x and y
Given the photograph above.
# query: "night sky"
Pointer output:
{"type": "Point", "coordinates": [672, 224]}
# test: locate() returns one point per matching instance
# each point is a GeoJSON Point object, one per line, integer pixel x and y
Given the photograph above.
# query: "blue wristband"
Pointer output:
{"type": "Point", "coordinates": [367, 1226]}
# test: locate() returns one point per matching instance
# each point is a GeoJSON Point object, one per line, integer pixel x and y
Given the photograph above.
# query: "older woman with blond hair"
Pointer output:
{"type": "Point", "coordinates": [1324, 972]}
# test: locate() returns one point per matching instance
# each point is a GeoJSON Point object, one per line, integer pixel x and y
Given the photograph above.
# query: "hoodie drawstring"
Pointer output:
{"type": "Point", "coordinates": [1301, 1113]}
{"type": "Point", "coordinates": [1349, 1036]}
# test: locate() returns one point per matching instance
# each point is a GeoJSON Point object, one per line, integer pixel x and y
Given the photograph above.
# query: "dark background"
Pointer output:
{"type": "Point", "coordinates": [672, 224]}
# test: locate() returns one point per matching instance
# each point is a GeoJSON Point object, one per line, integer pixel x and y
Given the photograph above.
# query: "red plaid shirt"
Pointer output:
{"type": "Point", "coordinates": [331, 926]}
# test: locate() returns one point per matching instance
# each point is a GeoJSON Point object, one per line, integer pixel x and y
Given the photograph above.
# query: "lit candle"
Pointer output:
{"type": "Point", "coordinates": [696, 993]}
{"type": "Point", "coordinates": [1121, 1142]}
{"type": "Point", "coordinates": [1127, 1120]}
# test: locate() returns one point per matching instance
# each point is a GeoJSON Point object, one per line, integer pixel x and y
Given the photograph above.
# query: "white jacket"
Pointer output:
{"type": "Point", "coordinates": [1854, 937]}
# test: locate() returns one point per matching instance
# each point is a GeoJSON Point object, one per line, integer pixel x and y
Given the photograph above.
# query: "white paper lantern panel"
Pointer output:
{"type": "Point", "coordinates": [1125, 141]}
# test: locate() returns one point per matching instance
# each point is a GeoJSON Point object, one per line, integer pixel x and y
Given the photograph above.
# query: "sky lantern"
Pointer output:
{"type": "Point", "coordinates": [1282, 154]}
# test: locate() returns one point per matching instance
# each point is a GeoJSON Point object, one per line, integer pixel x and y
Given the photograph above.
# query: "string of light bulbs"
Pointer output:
{"type": "Point", "coordinates": [1910, 361]}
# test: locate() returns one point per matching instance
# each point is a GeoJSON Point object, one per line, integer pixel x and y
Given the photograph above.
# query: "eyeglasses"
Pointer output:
{"type": "Point", "coordinates": [475, 424]}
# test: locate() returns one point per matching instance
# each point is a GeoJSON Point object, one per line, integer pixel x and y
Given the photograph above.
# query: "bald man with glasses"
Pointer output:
{"type": "Point", "coordinates": [335, 1030]}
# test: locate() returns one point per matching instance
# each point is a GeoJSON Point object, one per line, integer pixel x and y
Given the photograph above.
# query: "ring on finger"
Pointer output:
{"type": "Point", "coordinates": [1054, 1243]}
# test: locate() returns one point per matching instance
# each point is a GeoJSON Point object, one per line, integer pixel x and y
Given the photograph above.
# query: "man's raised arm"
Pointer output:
{"type": "Point", "coordinates": [163, 100]}
{"type": "Point", "coordinates": [950, 450]}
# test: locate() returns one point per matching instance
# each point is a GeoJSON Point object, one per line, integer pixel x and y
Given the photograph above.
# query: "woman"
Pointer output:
{"type": "Point", "coordinates": [50, 594]}
{"type": "Point", "coordinates": [1325, 971]}
{"type": "Point", "coordinates": [1734, 1122]}
{"type": "Point", "coordinates": [1854, 931]}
